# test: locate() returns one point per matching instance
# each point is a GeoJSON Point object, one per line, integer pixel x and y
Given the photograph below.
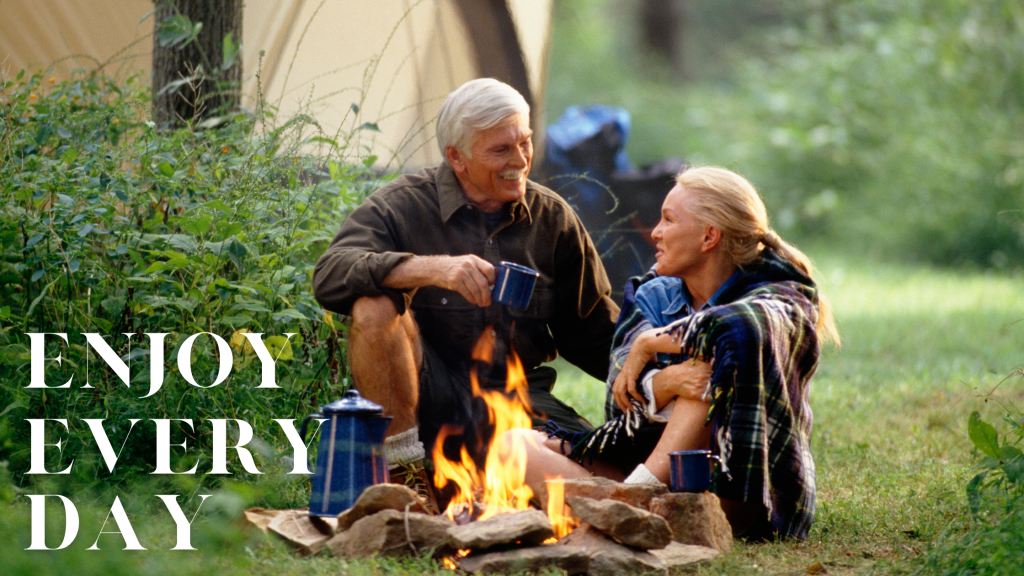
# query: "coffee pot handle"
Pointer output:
{"type": "Point", "coordinates": [305, 423]}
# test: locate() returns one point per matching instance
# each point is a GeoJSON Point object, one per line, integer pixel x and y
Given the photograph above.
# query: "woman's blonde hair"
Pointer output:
{"type": "Point", "coordinates": [729, 202]}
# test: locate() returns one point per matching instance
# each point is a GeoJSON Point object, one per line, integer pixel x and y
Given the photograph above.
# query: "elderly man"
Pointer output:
{"type": "Point", "coordinates": [414, 265]}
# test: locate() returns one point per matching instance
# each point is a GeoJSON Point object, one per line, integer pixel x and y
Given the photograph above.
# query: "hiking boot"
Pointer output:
{"type": "Point", "coordinates": [415, 475]}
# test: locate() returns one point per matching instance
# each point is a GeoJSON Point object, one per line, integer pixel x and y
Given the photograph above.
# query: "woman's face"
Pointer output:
{"type": "Point", "coordinates": [678, 236]}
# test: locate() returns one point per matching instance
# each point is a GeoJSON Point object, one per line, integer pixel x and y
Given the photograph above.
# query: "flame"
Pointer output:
{"type": "Point", "coordinates": [501, 483]}
{"type": "Point", "coordinates": [500, 486]}
{"type": "Point", "coordinates": [561, 520]}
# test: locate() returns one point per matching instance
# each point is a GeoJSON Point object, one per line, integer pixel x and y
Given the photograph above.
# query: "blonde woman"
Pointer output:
{"type": "Point", "coordinates": [714, 349]}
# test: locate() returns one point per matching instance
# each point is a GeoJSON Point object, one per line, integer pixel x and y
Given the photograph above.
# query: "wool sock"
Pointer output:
{"type": "Point", "coordinates": [404, 447]}
{"type": "Point", "coordinates": [641, 475]}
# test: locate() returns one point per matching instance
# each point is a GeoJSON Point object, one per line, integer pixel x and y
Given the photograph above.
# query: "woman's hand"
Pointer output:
{"type": "Point", "coordinates": [646, 345]}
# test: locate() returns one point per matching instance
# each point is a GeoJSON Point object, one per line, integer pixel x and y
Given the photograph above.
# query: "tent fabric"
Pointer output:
{"type": "Point", "coordinates": [395, 59]}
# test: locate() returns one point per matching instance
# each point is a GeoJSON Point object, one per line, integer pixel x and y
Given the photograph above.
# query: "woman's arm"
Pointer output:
{"type": "Point", "coordinates": [645, 346]}
{"type": "Point", "coordinates": [688, 379]}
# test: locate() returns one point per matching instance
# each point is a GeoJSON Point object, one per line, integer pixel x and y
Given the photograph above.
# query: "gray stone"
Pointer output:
{"type": "Point", "coordinates": [682, 558]}
{"type": "Point", "coordinates": [695, 518]}
{"type": "Point", "coordinates": [608, 556]}
{"type": "Point", "coordinates": [380, 497]}
{"type": "Point", "coordinates": [295, 528]}
{"type": "Point", "coordinates": [625, 523]}
{"type": "Point", "coordinates": [394, 533]}
{"type": "Point", "coordinates": [599, 488]}
{"type": "Point", "coordinates": [526, 528]}
{"type": "Point", "coordinates": [572, 559]}
{"type": "Point", "coordinates": [622, 561]}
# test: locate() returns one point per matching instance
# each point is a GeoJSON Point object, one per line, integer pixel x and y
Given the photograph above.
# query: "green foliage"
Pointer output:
{"type": "Point", "coordinates": [886, 127]}
{"type": "Point", "coordinates": [110, 226]}
{"type": "Point", "coordinates": [992, 542]}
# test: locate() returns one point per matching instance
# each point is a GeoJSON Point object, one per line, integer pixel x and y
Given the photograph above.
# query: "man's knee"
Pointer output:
{"type": "Point", "coordinates": [373, 316]}
{"type": "Point", "coordinates": [377, 323]}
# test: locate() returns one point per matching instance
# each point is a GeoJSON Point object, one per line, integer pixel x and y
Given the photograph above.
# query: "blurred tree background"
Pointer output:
{"type": "Point", "coordinates": [888, 128]}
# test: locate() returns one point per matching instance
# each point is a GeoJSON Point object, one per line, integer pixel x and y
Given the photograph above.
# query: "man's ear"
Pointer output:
{"type": "Point", "coordinates": [456, 158]}
{"type": "Point", "coordinates": [712, 238]}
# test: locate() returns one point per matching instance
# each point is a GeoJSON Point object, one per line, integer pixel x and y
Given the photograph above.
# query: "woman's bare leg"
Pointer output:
{"type": "Point", "coordinates": [685, 431]}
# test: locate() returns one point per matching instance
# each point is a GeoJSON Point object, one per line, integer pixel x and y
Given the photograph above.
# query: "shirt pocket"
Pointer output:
{"type": "Point", "coordinates": [439, 299]}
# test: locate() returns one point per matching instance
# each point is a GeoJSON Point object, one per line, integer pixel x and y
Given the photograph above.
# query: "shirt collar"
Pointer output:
{"type": "Point", "coordinates": [684, 300]}
{"type": "Point", "coordinates": [452, 198]}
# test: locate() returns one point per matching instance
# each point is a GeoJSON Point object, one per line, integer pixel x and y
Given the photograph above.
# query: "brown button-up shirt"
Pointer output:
{"type": "Point", "coordinates": [427, 213]}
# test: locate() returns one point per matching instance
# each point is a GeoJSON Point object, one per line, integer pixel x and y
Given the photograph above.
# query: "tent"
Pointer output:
{"type": "Point", "coordinates": [395, 60]}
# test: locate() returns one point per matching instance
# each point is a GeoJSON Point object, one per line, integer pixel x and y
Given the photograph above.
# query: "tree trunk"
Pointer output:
{"type": "Point", "coordinates": [212, 89]}
{"type": "Point", "coordinates": [662, 23]}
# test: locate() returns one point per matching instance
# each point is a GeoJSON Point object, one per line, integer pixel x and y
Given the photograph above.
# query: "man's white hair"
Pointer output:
{"type": "Point", "coordinates": [475, 106]}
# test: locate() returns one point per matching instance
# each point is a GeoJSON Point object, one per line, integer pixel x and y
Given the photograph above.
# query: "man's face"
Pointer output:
{"type": "Point", "coordinates": [495, 172]}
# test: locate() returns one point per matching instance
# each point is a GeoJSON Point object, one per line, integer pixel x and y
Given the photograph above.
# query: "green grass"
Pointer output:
{"type": "Point", "coordinates": [921, 349]}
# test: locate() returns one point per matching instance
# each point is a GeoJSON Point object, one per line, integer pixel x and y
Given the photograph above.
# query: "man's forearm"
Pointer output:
{"type": "Point", "coordinates": [415, 272]}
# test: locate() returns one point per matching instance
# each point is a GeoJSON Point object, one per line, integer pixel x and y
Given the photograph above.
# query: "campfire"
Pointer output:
{"type": "Point", "coordinates": [499, 487]}
{"type": "Point", "coordinates": [590, 525]}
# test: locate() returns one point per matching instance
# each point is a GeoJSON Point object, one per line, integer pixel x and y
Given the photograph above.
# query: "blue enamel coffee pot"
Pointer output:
{"type": "Point", "coordinates": [351, 453]}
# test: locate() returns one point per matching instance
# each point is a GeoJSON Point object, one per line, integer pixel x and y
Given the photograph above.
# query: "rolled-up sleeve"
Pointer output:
{"type": "Point", "coordinates": [359, 258]}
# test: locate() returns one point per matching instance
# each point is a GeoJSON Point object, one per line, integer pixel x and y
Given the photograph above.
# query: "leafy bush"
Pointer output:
{"type": "Point", "coordinates": [899, 122]}
{"type": "Point", "coordinates": [110, 226]}
{"type": "Point", "coordinates": [991, 543]}
{"type": "Point", "coordinates": [887, 127]}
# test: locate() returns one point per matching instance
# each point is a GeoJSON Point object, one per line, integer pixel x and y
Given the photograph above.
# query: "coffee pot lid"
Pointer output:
{"type": "Point", "coordinates": [352, 403]}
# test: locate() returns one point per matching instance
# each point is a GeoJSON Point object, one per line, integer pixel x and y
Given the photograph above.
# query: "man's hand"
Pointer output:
{"type": "Point", "coordinates": [469, 275]}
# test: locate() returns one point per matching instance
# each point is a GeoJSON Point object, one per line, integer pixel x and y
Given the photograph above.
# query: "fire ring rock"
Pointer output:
{"type": "Point", "coordinates": [695, 519]}
{"type": "Point", "coordinates": [394, 533]}
{"type": "Point", "coordinates": [627, 524]}
{"type": "Point", "coordinates": [380, 497]}
{"type": "Point", "coordinates": [572, 559]}
{"type": "Point", "coordinates": [527, 528]}
{"type": "Point", "coordinates": [599, 488]}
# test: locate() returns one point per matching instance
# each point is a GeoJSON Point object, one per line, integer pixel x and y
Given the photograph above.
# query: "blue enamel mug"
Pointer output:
{"type": "Point", "coordinates": [514, 285]}
{"type": "Point", "coordinates": [690, 470]}
{"type": "Point", "coordinates": [351, 453]}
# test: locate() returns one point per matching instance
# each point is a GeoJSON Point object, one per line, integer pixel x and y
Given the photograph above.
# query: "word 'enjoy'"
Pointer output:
{"type": "Point", "coordinates": [156, 359]}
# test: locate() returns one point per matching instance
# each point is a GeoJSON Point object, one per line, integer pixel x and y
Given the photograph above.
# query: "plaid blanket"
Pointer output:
{"type": "Point", "coordinates": [764, 348]}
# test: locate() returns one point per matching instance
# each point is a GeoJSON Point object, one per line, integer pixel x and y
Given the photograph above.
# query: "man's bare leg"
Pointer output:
{"type": "Point", "coordinates": [386, 355]}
